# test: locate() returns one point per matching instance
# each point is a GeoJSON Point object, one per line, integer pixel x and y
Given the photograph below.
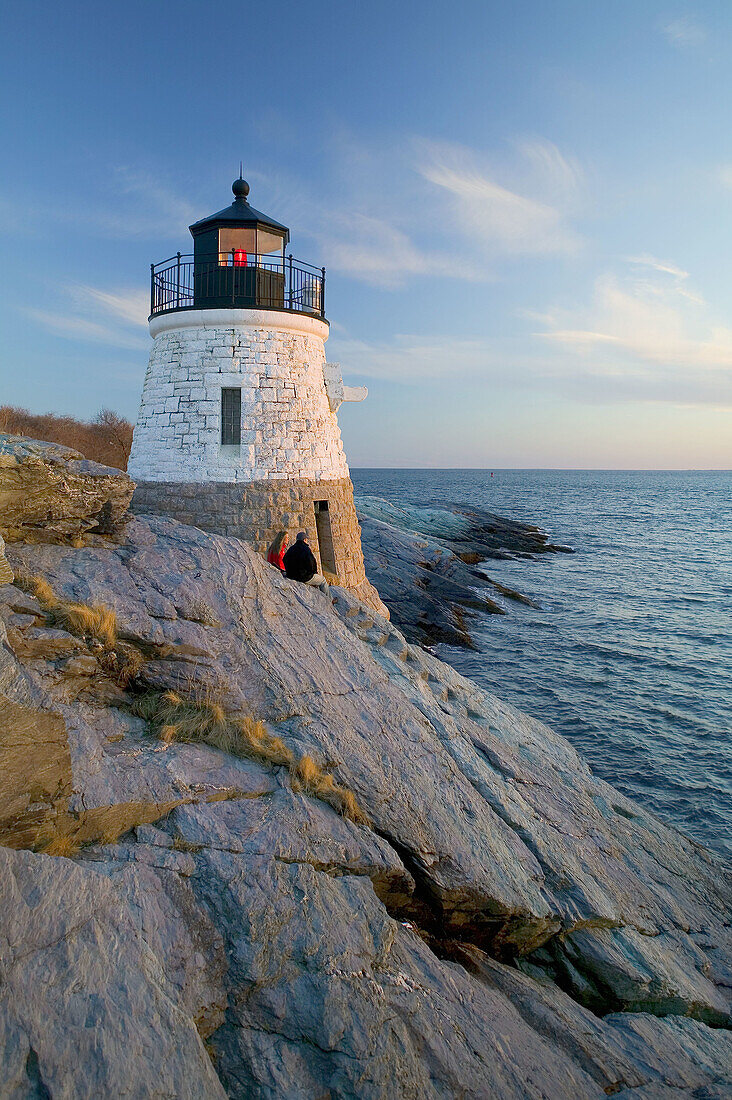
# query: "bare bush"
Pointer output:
{"type": "Point", "coordinates": [106, 439]}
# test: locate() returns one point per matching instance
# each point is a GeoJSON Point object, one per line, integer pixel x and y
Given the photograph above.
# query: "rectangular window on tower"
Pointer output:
{"type": "Point", "coordinates": [325, 536]}
{"type": "Point", "coordinates": [231, 417]}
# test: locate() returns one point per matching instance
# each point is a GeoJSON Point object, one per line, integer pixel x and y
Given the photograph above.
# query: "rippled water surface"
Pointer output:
{"type": "Point", "coordinates": [630, 655]}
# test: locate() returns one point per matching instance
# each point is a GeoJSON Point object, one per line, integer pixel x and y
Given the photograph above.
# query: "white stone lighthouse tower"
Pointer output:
{"type": "Point", "coordinates": [237, 430]}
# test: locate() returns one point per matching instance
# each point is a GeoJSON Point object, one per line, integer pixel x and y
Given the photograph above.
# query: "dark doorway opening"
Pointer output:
{"type": "Point", "coordinates": [325, 536]}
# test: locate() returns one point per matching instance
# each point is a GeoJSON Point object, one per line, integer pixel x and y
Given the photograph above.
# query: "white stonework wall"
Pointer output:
{"type": "Point", "coordinates": [278, 359]}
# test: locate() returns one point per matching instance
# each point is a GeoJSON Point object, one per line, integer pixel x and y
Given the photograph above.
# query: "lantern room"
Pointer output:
{"type": "Point", "coordinates": [238, 262]}
{"type": "Point", "coordinates": [239, 256]}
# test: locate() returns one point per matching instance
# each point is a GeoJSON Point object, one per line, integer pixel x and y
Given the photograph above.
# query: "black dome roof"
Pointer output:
{"type": "Point", "coordinates": [240, 213]}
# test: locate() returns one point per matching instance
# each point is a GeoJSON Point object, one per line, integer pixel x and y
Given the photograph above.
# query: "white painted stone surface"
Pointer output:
{"type": "Point", "coordinates": [337, 392]}
{"type": "Point", "coordinates": [333, 385]}
{"type": "Point", "coordinates": [283, 320]}
{"type": "Point", "coordinates": [355, 393]}
{"type": "Point", "coordinates": [288, 427]}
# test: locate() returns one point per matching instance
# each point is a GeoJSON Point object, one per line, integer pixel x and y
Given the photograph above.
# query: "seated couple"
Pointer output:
{"type": "Point", "coordinates": [298, 563]}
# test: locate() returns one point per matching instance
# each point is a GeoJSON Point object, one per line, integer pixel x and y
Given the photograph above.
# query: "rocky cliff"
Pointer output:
{"type": "Point", "coordinates": [255, 844]}
{"type": "Point", "coordinates": [423, 561]}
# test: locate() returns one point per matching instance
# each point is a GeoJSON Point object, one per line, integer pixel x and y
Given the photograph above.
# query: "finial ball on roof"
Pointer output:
{"type": "Point", "coordinates": [240, 188]}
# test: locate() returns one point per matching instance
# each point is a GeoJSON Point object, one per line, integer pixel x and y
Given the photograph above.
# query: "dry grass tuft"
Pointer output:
{"type": "Point", "coordinates": [180, 844]}
{"type": "Point", "coordinates": [203, 719]}
{"type": "Point", "coordinates": [38, 587]}
{"type": "Point", "coordinates": [307, 772]}
{"type": "Point", "coordinates": [111, 836]}
{"type": "Point", "coordinates": [65, 846]}
{"type": "Point", "coordinates": [88, 621]}
{"type": "Point", "coordinates": [84, 620]}
{"type": "Point", "coordinates": [310, 777]}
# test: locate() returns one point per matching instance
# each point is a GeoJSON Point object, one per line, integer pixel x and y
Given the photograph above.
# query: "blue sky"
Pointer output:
{"type": "Point", "coordinates": [524, 210]}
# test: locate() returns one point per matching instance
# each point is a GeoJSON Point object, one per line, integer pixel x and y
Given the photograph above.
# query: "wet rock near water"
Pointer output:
{"type": "Point", "coordinates": [424, 563]}
{"type": "Point", "coordinates": [505, 925]}
{"type": "Point", "coordinates": [470, 532]}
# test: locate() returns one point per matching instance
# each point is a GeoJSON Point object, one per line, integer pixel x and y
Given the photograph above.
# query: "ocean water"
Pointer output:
{"type": "Point", "coordinates": [630, 654]}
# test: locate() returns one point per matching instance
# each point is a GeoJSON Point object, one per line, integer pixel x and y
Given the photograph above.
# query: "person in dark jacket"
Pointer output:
{"type": "Point", "coordinates": [300, 564]}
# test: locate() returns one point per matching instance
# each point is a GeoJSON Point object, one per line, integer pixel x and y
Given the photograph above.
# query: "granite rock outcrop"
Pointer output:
{"type": "Point", "coordinates": [6, 573]}
{"type": "Point", "coordinates": [52, 493]}
{"type": "Point", "coordinates": [504, 925]}
{"type": "Point", "coordinates": [424, 563]}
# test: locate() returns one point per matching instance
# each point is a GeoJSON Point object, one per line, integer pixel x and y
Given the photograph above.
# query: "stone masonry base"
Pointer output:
{"type": "Point", "coordinates": [255, 511]}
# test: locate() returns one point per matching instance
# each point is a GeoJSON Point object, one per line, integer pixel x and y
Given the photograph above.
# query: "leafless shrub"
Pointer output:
{"type": "Point", "coordinates": [106, 439]}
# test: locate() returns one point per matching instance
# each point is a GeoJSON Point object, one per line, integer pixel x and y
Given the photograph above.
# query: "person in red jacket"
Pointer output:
{"type": "Point", "coordinates": [276, 552]}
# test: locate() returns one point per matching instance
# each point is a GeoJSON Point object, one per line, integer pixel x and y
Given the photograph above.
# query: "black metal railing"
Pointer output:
{"type": "Point", "coordinates": [236, 279]}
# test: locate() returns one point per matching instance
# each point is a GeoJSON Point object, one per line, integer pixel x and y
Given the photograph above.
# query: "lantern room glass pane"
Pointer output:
{"type": "Point", "coordinates": [236, 240]}
{"type": "Point", "coordinates": [269, 241]}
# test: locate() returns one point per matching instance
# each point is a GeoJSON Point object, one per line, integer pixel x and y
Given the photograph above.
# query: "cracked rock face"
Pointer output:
{"type": "Point", "coordinates": [508, 925]}
{"type": "Point", "coordinates": [80, 990]}
{"type": "Point", "coordinates": [52, 493]}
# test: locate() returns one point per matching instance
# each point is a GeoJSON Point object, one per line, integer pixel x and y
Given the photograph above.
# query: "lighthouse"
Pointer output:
{"type": "Point", "coordinates": [237, 431]}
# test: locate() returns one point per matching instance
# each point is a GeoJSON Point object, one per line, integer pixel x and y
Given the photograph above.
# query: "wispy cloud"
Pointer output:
{"type": "Point", "coordinates": [657, 265]}
{"type": "Point", "coordinates": [426, 209]}
{"type": "Point", "coordinates": [554, 173]}
{"type": "Point", "coordinates": [662, 267]}
{"type": "Point", "coordinates": [406, 358]}
{"type": "Point", "coordinates": [134, 203]}
{"type": "Point", "coordinates": [642, 337]}
{"type": "Point", "coordinates": [132, 306]}
{"type": "Point", "coordinates": [684, 32]}
{"type": "Point", "coordinates": [156, 196]}
{"type": "Point", "coordinates": [142, 206]}
{"type": "Point", "coordinates": [73, 327]}
{"type": "Point", "coordinates": [377, 252]}
{"type": "Point", "coordinates": [723, 175]}
{"type": "Point", "coordinates": [647, 331]}
{"type": "Point", "coordinates": [110, 317]}
{"type": "Point", "coordinates": [506, 220]}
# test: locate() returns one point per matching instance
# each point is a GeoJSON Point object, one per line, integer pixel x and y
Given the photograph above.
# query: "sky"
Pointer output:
{"type": "Point", "coordinates": [524, 210]}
